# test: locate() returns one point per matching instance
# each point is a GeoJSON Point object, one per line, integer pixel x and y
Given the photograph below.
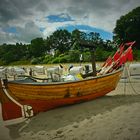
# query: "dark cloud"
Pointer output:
{"type": "Point", "coordinates": [7, 11]}
{"type": "Point", "coordinates": [29, 32]}
{"type": "Point", "coordinates": [28, 16]}
{"type": "Point", "coordinates": [42, 6]}
{"type": "Point", "coordinates": [102, 7]}
{"type": "Point", "coordinates": [22, 34]}
{"type": "Point", "coordinates": [77, 11]}
{"type": "Point", "coordinates": [16, 9]}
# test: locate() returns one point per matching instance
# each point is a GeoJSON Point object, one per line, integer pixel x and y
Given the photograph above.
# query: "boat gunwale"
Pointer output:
{"type": "Point", "coordinates": [67, 82]}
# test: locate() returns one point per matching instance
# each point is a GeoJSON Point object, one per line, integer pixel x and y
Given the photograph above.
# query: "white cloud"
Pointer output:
{"type": "Point", "coordinates": [23, 34]}
{"type": "Point", "coordinates": [28, 16]}
{"type": "Point", "coordinates": [51, 27]}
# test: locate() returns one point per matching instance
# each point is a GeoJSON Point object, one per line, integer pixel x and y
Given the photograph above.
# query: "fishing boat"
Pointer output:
{"type": "Point", "coordinates": [21, 99]}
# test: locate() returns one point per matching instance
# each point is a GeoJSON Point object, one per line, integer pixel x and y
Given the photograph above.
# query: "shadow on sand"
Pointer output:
{"type": "Point", "coordinates": [67, 115]}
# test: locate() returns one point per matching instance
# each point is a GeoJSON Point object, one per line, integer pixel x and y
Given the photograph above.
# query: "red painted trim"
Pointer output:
{"type": "Point", "coordinates": [11, 111]}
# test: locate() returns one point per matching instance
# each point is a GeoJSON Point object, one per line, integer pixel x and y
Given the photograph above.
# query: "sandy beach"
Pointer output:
{"type": "Point", "coordinates": [115, 116]}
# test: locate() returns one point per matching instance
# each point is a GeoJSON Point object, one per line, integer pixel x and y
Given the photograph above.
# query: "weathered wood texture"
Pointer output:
{"type": "Point", "coordinates": [43, 97]}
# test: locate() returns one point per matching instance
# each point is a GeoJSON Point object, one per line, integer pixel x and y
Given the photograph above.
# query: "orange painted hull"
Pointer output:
{"type": "Point", "coordinates": [41, 105]}
{"type": "Point", "coordinates": [43, 97]}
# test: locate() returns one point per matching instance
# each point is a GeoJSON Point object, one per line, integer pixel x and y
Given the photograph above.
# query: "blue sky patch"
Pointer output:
{"type": "Point", "coordinates": [10, 30]}
{"type": "Point", "coordinates": [42, 29]}
{"type": "Point", "coordinates": [59, 18]}
{"type": "Point", "coordinates": [85, 28]}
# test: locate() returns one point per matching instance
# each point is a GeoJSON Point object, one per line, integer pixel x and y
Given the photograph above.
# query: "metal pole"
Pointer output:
{"type": "Point", "coordinates": [93, 61]}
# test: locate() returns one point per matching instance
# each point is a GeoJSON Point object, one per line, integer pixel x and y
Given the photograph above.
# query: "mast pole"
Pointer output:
{"type": "Point", "coordinates": [91, 47]}
{"type": "Point", "coordinates": [93, 61]}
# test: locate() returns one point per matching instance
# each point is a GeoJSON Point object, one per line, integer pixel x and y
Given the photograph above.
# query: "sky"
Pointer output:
{"type": "Point", "coordinates": [24, 20]}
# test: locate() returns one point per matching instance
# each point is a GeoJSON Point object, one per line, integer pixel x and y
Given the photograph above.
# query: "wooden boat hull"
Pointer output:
{"type": "Point", "coordinates": [42, 97]}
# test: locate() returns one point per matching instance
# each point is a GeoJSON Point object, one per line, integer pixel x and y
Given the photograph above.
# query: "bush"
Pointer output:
{"type": "Point", "coordinates": [136, 54]}
{"type": "Point", "coordinates": [55, 60]}
{"type": "Point", "coordinates": [74, 56]}
{"type": "Point", "coordinates": [65, 59]}
{"type": "Point", "coordinates": [21, 62]}
{"type": "Point", "coordinates": [48, 59]}
{"type": "Point", "coordinates": [102, 55]}
{"type": "Point", "coordinates": [35, 61]}
{"type": "Point", "coordinates": [87, 57]}
{"type": "Point", "coordinates": [61, 59]}
{"type": "Point", "coordinates": [1, 63]}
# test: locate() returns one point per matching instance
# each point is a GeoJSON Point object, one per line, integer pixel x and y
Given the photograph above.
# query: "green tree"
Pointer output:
{"type": "Point", "coordinates": [77, 37]}
{"type": "Point", "coordinates": [21, 51]}
{"type": "Point", "coordinates": [60, 40]}
{"type": "Point", "coordinates": [10, 53]}
{"type": "Point", "coordinates": [37, 47]}
{"type": "Point", "coordinates": [128, 28]}
{"type": "Point", "coordinates": [95, 37]}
